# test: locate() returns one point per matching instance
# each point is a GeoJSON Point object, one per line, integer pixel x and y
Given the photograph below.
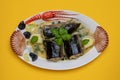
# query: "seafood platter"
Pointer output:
{"type": "Point", "coordinates": [58, 40]}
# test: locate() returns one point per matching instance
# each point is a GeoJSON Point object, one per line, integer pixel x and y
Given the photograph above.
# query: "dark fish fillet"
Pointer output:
{"type": "Point", "coordinates": [53, 51]}
{"type": "Point", "coordinates": [72, 47]}
{"type": "Point", "coordinates": [47, 29]}
{"type": "Point", "coordinates": [47, 32]}
{"type": "Point", "coordinates": [71, 27]}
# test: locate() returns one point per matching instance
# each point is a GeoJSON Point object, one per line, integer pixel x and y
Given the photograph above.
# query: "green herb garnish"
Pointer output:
{"type": "Point", "coordinates": [62, 31]}
{"type": "Point", "coordinates": [53, 22]}
{"type": "Point", "coordinates": [59, 41]}
{"type": "Point", "coordinates": [66, 37]}
{"type": "Point", "coordinates": [54, 31]}
{"type": "Point", "coordinates": [34, 39]}
{"type": "Point", "coordinates": [60, 35]}
{"type": "Point", "coordinates": [85, 41]}
{"type": "Point", "coordinates": [36, 48]}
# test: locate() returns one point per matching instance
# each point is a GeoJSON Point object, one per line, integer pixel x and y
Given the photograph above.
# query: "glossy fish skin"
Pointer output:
{"type": "Point", "coordinates": [71, 27]}
{"type": "Point", "coordinates": [52, 50]}
{"type": "Point", "coordinates": [72, 47]}
{"type": "Point", "coordinates": [47, 32]}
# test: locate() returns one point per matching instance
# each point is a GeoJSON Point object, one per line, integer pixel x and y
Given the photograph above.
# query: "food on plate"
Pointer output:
{"type": "Point", "coordinates": [54, 40]}
{"type": "Point", "coordinates": [27, 34]}
{"type": "Point", "coordinates": [47, 32]}
{"type": "Point", "coordinates": [87, 41]}
{"type": "Point", "coordinates": [26, 57]}
{"type": "Point", "coordinates": [33, 56]}
{"type": "Point", "coordinates": [73, 47]}
{"type": "Point", "coordinates": [71, 27]}
{"type": "Point", "coordinates": [58, 40]}
{"type": "Point", "coordinates": [53, 51]}
{"type": "Point", "coordinates": [36, 38]}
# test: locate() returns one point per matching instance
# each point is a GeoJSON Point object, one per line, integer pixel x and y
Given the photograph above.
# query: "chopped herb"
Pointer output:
{"type": "Point", "coordinates": [36, 48]}
{"type": "Point", "coordinates": [34, 39]}
{"type": "Point", "coordinates": [66, 37]}
{"type": "Point", "coordinates": [57, 36]}
{"type": "Point", "coordinates": [40, 30]}
{"type": "Point", "coordinates": [60, 35]}
{"type": "Point", "coordinates": [59, 41]}
{"type": "Point", "coordinates": [53, 22]}
{"type": "Point", "coordinates": [44, 42]}
{"type": "Point", "coordinates": [62, 31]}
{"type": "Point", "coordinates": [85, 41]}
{"type": "Point", "coordinates": [80, 35]}
{"type": "Point", "coordinates": [54, 31]}
{"type": "Point", "coordinates": [86, 33]}
{"type": "Point", "coordinates": [81, 28]}
{"type": "Point", "coordinates": [59, 21]}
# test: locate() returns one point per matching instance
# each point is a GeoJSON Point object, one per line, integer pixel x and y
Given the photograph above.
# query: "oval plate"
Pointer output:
{"type": "Point", "coordinates": [101, 42]}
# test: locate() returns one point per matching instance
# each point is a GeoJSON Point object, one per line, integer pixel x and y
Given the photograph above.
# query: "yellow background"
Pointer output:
{"type": "Point", "coordinates": [105, 12]}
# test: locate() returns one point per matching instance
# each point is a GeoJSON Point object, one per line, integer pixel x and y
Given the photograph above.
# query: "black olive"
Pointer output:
{"type": "Point", "coordinates": [59, 22]}
{"type": "Point", "coordinates": [21, 25]}
{"type": "Point", "coordinates": [33, 56]}
{"type": "Point", "coordinates": [27, 34]}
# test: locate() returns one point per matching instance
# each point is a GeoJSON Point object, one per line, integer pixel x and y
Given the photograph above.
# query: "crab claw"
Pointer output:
{"type": "Point", "coordinates": [50, 15]}
{"type": "Point", "coordinates": [55, 15]}
{"type": "Point", "coordinates": [61, 13]}
{"type": "Point", "coordinates": [18, 42]}
{"type": "Point", "coordinates": [33, 18]}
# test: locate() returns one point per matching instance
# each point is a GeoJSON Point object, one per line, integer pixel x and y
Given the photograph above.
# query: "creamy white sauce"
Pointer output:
{"type": "Point", "coordinates": [34, 29]}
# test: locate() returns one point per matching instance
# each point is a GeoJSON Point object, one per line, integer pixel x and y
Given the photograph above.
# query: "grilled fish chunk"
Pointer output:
{"type": "Point", "coordinates": [73, 48]}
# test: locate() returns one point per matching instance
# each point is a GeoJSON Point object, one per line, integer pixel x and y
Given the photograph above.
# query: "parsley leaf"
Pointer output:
{"type": "Point", "coordinates": [62, 31]}
{"type": "Point", "coordinates": [66, 37]}
{"type": "Point", "coordinates": [59, 41]}
{"type": "Point", "coordinates": [34, 39]}
{"type": "Point", "coordinates": [60, 35]}
{"type": "Point", "coordinates": [85, 41]}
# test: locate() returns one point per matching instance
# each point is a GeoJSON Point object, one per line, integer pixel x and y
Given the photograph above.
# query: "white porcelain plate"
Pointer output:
{"type": "Point", "coordinates": [100, 35]}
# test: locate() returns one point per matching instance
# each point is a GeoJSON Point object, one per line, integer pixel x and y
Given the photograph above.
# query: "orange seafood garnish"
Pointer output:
{"type": "Point", "coordinates": [101, 39]}
{"type": "Point", "coordinates": [18, 42]}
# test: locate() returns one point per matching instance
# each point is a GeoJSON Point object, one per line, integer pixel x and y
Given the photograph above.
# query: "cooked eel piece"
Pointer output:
{"type": "Point", "coordinates": [18, 42]}
{"type": "Point", "coordinates": [47, 29]}
{"type": "Point", "coordinates": [73, 49]}
{"type": "Point", "coordinates": [47, 32]}
{"type": "Point", "coordinates": [71, 27]}
{"type": "Point", "coordinates": [53, 51]}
